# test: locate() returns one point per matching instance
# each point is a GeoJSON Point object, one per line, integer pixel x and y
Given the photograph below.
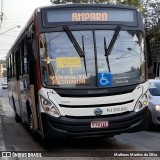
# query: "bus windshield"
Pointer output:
{"type": "Point", "coordinates": [89, 66]}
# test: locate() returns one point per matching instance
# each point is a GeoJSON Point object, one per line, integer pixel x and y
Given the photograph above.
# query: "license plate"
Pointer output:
{"type": "Point", "coordinates": [99, 124]}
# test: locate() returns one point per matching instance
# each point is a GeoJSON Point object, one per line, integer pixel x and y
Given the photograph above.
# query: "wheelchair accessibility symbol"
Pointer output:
{"type": "Point", "coordinates": [104, 79]}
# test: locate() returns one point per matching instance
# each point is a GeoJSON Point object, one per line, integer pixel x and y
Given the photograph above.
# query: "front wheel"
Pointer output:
{"type": "Point", "coordinates": [30, 123]}
{"type": "Point", "coordinates": [34, 134]}
{"type": "Point", "coordinates": [18, 118]}
{"type": "Point", "coordinates": [150, 124]}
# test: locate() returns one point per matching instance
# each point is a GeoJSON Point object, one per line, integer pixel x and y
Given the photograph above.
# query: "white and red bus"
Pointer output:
{"type": "Point", "coordinates": [80, 70]}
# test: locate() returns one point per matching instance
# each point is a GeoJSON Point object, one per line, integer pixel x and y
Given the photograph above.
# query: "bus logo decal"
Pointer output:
{"type": "Point", "coordinates": [98, 111]}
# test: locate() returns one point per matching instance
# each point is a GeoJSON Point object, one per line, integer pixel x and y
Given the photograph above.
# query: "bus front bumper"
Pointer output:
{"type": "Point", "coordinates": [68, 126]}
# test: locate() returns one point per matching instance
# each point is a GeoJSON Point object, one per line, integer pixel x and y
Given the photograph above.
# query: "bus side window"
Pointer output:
{"type": "Point", "coordinates": [30, 50]}
{"type": "Point", "coordinates": [8, 70]}
{"type": "Point", "coordinates": [25, 58]}
{"type": "Point", "coordinates": [21, 58]}
{"type": "Point", "coordinates": [31, 59]}
{"type": "Point", "coordinates": [17, 64]}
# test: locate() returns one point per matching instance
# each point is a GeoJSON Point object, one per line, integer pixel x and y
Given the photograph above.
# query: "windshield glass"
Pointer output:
{"type": "Point", "coordinates": [62, 65]}
{"type": "Point", "coordinates": [154, 88]}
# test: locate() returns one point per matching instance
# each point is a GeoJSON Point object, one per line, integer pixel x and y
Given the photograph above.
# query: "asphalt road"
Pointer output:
{"type": "Point", "coordinates": [16, 137]}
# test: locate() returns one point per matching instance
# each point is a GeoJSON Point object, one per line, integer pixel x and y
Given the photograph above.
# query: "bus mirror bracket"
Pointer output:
{"type": "Point", "coordinates": [149, 56]}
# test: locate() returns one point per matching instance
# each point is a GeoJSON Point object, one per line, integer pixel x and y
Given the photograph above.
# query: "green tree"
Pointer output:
{"type": "Point", "coordinates": [135, 3]}
{"type": "Point", "coordinates": [151, 12]}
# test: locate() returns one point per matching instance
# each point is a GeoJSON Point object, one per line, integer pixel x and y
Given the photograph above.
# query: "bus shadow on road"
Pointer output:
{"type": "Point", "coordinates": [87, 144]}
{"type": "Point", "coordinates": [155, 128]}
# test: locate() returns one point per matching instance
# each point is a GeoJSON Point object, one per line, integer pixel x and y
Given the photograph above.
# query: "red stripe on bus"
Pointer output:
{"type": "Point", "coordinates": [39, 85]}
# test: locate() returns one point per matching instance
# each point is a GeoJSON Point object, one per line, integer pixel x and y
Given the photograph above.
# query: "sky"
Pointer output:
{"type": "Point", "coordinates": [16, 12]}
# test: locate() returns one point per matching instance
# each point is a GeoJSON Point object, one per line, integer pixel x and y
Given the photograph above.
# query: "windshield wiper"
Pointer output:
{"type": "Point", "coordinates": [74, 41]}
{"type": "Point", "coordinates": [106, 54]}
{"type": "Point", "coordinates": [84, 55]}
{"type": "Point", "coordinates": [76, 45]}
{"type": "Point", "coordinates": [110, 47]}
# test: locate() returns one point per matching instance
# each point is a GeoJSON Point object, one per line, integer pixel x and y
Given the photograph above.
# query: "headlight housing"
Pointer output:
{"type": "Point", "coordinates": [141, 103]}
{"type": "Point", "coordinates": [157, 107]}
{"type": "Point", "coordinates": [49, 107]}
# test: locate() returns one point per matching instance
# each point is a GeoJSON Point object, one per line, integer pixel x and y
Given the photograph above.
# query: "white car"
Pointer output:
{"type": "Point", "coordinates": [4, 86]}
{"type": "Point", "coordinates": [154, 103]}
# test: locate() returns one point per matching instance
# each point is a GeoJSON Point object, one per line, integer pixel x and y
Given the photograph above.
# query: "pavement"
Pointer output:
{"type": "Point", "coordinates": [13, 137]}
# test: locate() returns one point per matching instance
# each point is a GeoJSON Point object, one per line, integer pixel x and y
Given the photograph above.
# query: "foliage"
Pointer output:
{"type": "Point", "coordinates": [3, 62]}
{"type": "Point", "coordinates": [135, 3]}
{"type": "Point", "coordinates": [151, 13]}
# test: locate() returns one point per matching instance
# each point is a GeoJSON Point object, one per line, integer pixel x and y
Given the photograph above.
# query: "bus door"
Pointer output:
{"type": "Point", "coordinates": [23, 80]}
{"type": "Point", "coordinates": [30, 67]}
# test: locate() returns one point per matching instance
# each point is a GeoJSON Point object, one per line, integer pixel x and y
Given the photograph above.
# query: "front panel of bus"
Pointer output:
{"type": "Point", "coordinates": [93, 70]}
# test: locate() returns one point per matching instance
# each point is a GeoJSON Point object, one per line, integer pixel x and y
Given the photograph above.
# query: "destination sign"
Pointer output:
{"type": "Point", "coordinates": [89, 16]}
{"type": "Point", "coordinates": [97, 15]}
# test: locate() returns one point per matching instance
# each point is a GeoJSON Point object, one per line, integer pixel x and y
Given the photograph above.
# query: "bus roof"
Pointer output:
{"type": "Point", "coordinates": [75, 5]}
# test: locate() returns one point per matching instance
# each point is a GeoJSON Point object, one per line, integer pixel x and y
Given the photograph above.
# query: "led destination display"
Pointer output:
{"type": "Point", "coordinates": [89, 15]}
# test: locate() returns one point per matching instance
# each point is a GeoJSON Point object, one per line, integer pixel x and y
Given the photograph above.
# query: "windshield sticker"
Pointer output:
{"type": "Point", "coordinates": [121, 79]}
{"type": "Point", "coordinates": [101, 67]}
{"type": "Point", "coordinates": [104, 79]}
{"type": "Point", "coordinates": [68, 62]}
{"type": "Point", "coordinates": [79, 79]}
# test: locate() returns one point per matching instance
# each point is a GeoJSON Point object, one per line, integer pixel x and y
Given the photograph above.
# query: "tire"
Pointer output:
{"type": "Point", "coordinates": [150, 124]}
{"type": "Point", "coordinates": [31, 125]}
{"type": "Point", "coordinates": [30, 122]}
{"type": "Point", "coordinates": [18, 118]}
{"type": "Point", "coordinates": [34, 134]}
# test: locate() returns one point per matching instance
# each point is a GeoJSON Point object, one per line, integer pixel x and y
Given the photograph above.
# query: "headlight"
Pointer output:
{"type": "Point", "coordinates": [157, 108]}
{"type": "Point", "coordinates": [141, 103]}
{"type": "Point", "coordinates": [49, 107]}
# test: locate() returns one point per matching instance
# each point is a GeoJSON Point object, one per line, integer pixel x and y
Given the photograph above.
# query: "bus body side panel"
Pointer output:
{"type": "Point", "coordinates": [24, 96]}
{"type": "Point", "coordinates": [13, 91]}
{"type": "Point", "coordinates": [37, 82]}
